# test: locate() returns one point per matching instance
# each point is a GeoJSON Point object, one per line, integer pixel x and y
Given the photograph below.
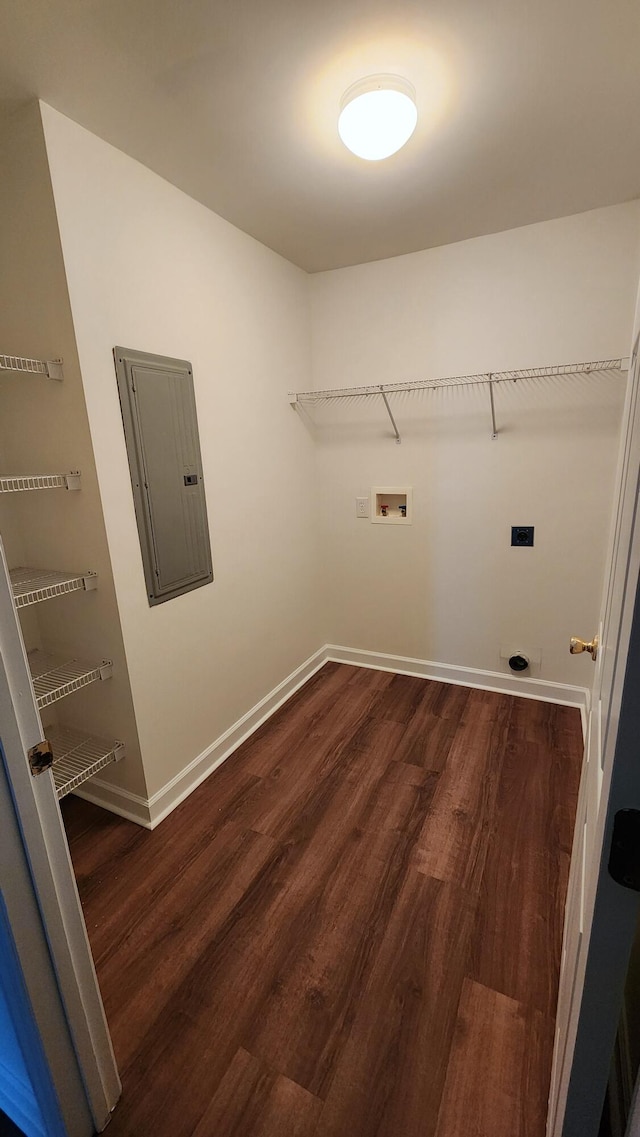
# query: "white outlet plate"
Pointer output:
{"type": "Point", "coordinates": [362, 507]}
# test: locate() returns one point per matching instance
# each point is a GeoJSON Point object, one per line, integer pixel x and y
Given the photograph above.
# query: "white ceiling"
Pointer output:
{"type": "Point", "coordinates": [529, 109]}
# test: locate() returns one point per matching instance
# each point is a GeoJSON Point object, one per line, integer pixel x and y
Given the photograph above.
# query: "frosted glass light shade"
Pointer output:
{"type": "Point", "coordinates": [378, 116]}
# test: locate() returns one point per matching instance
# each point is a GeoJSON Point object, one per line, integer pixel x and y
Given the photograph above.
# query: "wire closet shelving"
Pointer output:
{"type": "Point", "coordinates": [489, 379]}
{"type": "Point", "coordinates": [55, 677]}
{"type": "Point", "coordinates": [33, 586]}
{"type": "Point", "coordinates": [52, 368]}
{"type": "Point", "coordinates": [77, 755]}
{"type": "Point", "coordinates": [20, 483]}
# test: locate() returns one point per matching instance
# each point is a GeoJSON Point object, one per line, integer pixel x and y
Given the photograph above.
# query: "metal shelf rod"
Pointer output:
{"type": "Point", "coordinates": [393, 421]}
{"type": "Point", "coordinates": [494, 429]}
{"type": "Point", "coordinates": [490, 378]}
{"type": "Point", "coordinates": [620, 364]}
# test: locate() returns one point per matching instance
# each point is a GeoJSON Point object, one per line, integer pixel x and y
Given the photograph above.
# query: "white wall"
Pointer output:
{"type": "Point", "coordinates": [44, 429]}
{"type": "Point", "coordinates": [450, 588]}
{"type": "Point", "coordinates": [149, 268]}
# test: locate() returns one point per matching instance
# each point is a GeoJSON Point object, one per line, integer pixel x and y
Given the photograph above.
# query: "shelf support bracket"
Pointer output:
{"type": "Point", "coordinates": [393, 421]}
{"type": "Point", "coordinates": [494, 429]}
{"type": "Point", "coordinates": [54, 369]}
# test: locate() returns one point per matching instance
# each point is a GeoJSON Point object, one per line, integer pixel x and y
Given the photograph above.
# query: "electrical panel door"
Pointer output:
{"type": "Point", "coordinates": [161, 431]}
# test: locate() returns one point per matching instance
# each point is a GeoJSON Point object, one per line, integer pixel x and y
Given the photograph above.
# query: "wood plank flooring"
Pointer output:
{"type": "Point", "coordinates": [351, 929]}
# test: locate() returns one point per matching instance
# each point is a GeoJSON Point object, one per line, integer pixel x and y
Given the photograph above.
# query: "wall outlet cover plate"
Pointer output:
{"type": "Point", "coordinates": [522, 535]}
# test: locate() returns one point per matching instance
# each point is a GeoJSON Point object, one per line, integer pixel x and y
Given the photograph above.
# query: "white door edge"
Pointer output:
{"type": "Point", "coordinates": [54, 882]}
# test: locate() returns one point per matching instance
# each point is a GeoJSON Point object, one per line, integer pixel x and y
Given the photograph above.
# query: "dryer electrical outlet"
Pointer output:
{"type": "Point", "coordinates": [522, 536]}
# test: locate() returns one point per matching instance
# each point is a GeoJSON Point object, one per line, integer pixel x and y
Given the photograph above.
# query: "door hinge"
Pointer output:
{"type": "Point", "coordinates": [40, 757]}
{"type": "Point", "coordinates": [624, 857]}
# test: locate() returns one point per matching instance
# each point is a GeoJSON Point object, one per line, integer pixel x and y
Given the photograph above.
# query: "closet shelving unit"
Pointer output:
{"type": "Point", "coordinates": [19, 483]}
{"type": "Point", "coordinates": [77, 755]}
{"type": "Point", "coordinates": [52, 368]}
{"type": "Point", "coordinates": [489, 379]}
{"type": "Point", "coordinates": [55, 677]}
{"type": "Point", "coordinates": [33, 586]}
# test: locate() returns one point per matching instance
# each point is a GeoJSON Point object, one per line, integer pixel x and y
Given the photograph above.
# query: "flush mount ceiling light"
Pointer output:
{"type": "Point", "coordinates": [377, 116]}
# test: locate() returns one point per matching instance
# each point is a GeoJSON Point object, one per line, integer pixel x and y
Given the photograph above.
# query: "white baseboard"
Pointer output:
{"type": "Point", "coordinates": [116, 800]}
{"type": "Point", "coordinates": [540, 689]}
{"type": "Point", "coordinates": [175, 791]}
{"type": "Point", "coordinates": [150, 813]}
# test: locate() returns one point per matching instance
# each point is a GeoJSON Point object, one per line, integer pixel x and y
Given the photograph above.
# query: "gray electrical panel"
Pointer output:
{"type": "Point", "coordinates": [161, 431]}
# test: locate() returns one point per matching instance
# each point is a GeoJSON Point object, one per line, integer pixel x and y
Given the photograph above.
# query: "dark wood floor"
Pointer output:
{"type": "Point", "coordinates": [352, 928]}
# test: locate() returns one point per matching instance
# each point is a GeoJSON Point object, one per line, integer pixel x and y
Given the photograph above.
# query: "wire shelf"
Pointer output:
{"type": "Point", "coordinates": [52, 368]}
{"type": "Point", "coordinates": [32, 586]}
{"type": "Point", "coordinates": [54, 678]}
{"type": "Point", "coordinates": [78, 756]}
{"type": "Point", "coordinates": [18, 483]}
{"type": "Point", "coordinates": [488, 379]}
{"type": "Point", "coordinates": [620, 364]}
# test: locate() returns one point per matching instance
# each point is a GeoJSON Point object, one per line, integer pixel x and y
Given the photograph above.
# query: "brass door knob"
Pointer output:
{"type": "Point", "coordinates": [577, 646]}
